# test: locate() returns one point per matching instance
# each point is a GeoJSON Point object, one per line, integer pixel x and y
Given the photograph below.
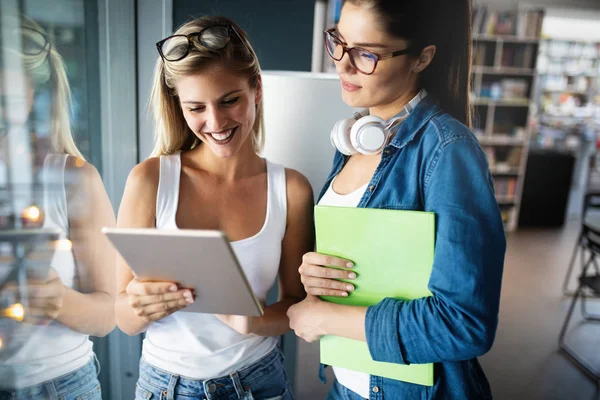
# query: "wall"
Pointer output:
{"type": "Point", "coordinates": [572, 24]}
{"type": "Point", "coordinates": [280, 31]}
{"type": "Point", "coordinates": [589, 4]}
{"type": "Point", "coordinates": [300, 110]}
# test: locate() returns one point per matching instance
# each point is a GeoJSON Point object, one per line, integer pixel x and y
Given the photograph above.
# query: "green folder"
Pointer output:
{"type": "Point", "coordinates": [393, 256]}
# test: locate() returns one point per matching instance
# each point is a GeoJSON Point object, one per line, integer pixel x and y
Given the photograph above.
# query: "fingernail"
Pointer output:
{"type": "Point", "coordinates": [350, 288]}
{"type": "Point", "coordinates": [351, 275]}
{"type": "Point", "coordinates": [189, 300]}
{"type": "Point", "coordinates": [173, 288]}
{"type": "Point", "coordinates": [187, 295]}
{"type": "Point", "coordinates": [349, 265]}
{"type": "Point", "coordinates": [344, 294]}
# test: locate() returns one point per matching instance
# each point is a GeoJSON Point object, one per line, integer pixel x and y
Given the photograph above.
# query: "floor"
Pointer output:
{"type": "Point", "coordinates": [524, 362]}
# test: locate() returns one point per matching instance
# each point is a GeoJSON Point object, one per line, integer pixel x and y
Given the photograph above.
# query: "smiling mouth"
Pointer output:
{"type": "Point", "coordinates": [222, 137]}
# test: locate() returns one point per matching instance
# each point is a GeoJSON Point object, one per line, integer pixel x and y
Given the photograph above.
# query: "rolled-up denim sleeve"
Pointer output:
{"type": "Point", "coordinates": [459, 321]}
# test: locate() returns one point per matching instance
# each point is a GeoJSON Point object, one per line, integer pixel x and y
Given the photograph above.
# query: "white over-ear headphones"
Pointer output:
{"type": "Point", "coordinates": [368, 134]}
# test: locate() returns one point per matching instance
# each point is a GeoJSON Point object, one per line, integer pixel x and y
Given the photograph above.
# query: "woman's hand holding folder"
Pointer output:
{"type": "Point", "coordinates": [319, 274]}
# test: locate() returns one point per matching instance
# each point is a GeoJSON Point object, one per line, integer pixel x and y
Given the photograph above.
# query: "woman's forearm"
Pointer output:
{"type": "Point", "coordinates": [344, 321]}
{"type": "Point", "coordinates": [91, 313]}
{"type": "Point", "coordinates": [274, 322]}
{"type": "Point", "coordinates": [127, 320]}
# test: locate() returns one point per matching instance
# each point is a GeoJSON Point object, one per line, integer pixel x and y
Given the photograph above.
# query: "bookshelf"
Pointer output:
{"type": "Point", "coordinates": [504, 58]}
{"type": "Point", "coordinates": [568, 93]}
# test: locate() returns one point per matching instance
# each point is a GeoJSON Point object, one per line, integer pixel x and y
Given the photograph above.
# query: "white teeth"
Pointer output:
{"type": "Point", "coordinates": [222, 136]}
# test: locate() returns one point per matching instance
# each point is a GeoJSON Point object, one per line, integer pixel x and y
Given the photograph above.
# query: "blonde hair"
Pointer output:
{"type": "Point", "coordinates": [48, 67]}
{"type": "Point", "coordinates": [171, 130]}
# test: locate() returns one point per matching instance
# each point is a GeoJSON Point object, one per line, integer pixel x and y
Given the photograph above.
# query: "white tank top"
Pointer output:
{"type": "Point", "coordinates": [53, 350]}
{"type": "Point", "coordinates": [200, 346]}
{"type": "Point", "coordinates": [358, 382]}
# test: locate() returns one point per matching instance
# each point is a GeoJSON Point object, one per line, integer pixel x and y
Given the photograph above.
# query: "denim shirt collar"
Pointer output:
{"type": "Point", "coordinates": [408, 129]}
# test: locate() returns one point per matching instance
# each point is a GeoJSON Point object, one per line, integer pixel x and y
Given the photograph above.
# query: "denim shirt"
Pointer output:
{"type": "Point", "coordinates": [434, 163]}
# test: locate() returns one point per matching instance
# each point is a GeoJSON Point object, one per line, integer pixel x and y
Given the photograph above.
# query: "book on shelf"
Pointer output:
{"type": "Point", "coordinates": [508, 89]}
{"type": "Point", "coordinates": [522, 23]}
{"type": "Point", "coordinates": [491, 157]}
{"type": "Point", "coordinates": [503, 159]}
{"type": "Point", "coordinates": [505, 187]}
{"type": "Point", "coordinates": [562, 48]}
{"type": "Point", "coordinates": [530, 23]}
{"type": "Point", "coordinates": [517, 57]}
{"type": "Point", "coordinates": [505, 213]}
{"type": "Point", "coordinates": [479, 55]}
{"type": "Point", "coordinates": [569, 84]}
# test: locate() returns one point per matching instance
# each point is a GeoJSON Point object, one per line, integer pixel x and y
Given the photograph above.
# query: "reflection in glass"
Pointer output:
{"type": "Point", "coordinates": [56, 268]}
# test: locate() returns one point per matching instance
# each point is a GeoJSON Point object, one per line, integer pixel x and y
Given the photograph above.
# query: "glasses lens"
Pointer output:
{"type": "Point", "coordinates": [363, 60]}
{"type": "Point", "coordinates": [333, 46]}
{"type": "Point", "coordinates": [175, 48]}
{"type": "Point", "coordinates": [214, 38]}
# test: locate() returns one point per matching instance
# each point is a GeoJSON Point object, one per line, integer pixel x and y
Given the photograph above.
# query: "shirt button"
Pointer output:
{"type": "Point", "coordinates": [386, 151]}
{"type": "Point", "coordinates": [371, 188]}
{"type": "Point", "coordinates": [375, 389]}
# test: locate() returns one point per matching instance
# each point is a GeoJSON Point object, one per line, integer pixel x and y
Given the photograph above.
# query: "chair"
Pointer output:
{"type": "Point", "coordinates": [591, 220]}
{"type": "Point", "coordinates": [588, 287]}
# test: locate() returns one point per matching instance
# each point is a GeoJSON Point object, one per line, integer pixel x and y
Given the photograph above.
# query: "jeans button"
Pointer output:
{"type": "Point", "coordinates": [375, 389]}
{"type": "Point", "coordinates": [212, 388]}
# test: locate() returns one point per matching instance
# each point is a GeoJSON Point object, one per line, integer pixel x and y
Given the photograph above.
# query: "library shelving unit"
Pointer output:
{"type": "Point", "coordinates": [505, 48]}
{"type": "Point", "coordinates": [568, 93]}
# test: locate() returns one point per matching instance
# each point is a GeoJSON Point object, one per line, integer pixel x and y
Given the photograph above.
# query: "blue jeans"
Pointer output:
{"type": "Point", "coordinates": [264, 380]}
{"type": "Point", "coordinates": [81, 384]}
{"type": "Point", "coordinates": [341, 392]}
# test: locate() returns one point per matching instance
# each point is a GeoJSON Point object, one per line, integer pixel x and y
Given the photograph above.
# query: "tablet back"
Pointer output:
{"type": "Point", "coordinates": [201, 260]}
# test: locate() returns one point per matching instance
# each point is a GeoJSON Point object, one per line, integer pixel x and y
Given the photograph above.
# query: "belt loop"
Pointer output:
{"type": "Point", "coordinates": [97, 363]}
{"type": "Point", "coordinates": [237, 384]}
{"type": "Point", "coordinates": [209, 389]}
{"type": "Point", "coordinates": [171, 388]}
{"type": "Point", "coordinates": [51, 389]}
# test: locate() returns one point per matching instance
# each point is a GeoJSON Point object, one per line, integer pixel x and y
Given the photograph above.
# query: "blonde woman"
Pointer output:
{"type": "Point", "coordinates": [55, 358]}
{"type": "Point", "coordinates": [206, 173]}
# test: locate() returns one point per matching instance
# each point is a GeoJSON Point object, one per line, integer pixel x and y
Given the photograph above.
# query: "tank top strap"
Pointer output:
{"type": "Point", "coordinates": [54, 193]}
{"type": "Point", "coordinates": [277, 196]}
{"type": "Point", "coordinates": [167, 197]}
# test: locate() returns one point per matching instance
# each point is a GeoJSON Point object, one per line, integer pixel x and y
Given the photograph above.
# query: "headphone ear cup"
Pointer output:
{"type": "Point", "coordinates": [368, 135]}
{"type": "Point", "coordinates": [340, 136]}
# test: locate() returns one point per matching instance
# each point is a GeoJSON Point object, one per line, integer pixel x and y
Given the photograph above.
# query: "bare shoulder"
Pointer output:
{"type": "Point", "coordinates": [83, 169]}
{"type": "Point", "coordinates": [138, 204]}
{"type": "Point", "coordinates": [300, 205]}
{"type": "Point", "coordinates": [145, 176]}
{"type": "Point", "coordinates": [82, 179]}
{"type": "Point", "coordinates": [87, 199]}
{"type": "Point", "coordinates": [299, 190]}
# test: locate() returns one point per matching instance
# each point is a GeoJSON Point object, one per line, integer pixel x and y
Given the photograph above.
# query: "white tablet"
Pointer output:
{"type": "Point", "coordinates": [202, 260]}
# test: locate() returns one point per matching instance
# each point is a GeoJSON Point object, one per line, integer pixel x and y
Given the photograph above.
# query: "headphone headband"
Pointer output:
{"type": "Point", "coordinates": [369, 134]}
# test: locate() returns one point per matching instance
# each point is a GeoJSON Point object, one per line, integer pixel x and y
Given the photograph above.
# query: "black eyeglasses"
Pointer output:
{"type": "Point", "coordinates": [177, 47]}
{"type": "Point", "coordinates": [364, 61]}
